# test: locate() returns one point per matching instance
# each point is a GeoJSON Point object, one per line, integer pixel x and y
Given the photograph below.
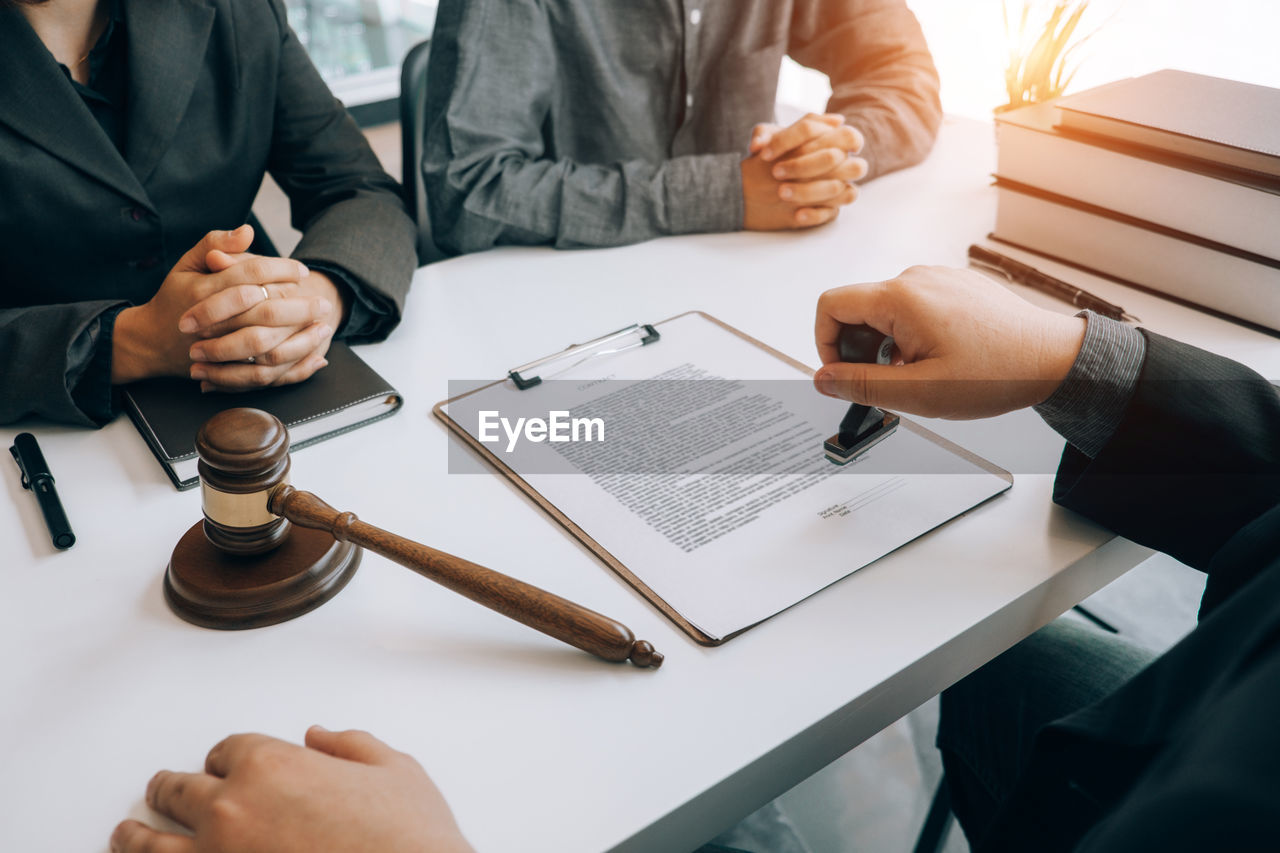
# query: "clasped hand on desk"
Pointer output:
{"type": "Point", "coordinates": [229, 319]}
{"type": "Point", "coordinates": [800, 176]}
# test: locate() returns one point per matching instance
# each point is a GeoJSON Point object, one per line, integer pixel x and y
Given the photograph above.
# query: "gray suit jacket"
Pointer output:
{"type": "Point", "coordinates": [220, 92]}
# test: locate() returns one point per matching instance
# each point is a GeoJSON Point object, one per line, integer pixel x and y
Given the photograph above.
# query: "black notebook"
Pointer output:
{"type": "Point", "coordinates": [343, 396]}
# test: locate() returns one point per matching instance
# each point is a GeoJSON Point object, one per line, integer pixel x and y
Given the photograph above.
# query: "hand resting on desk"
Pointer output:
{"type": "Point", "coordinates": [965, 347]}
{"type": "Point", "coordinates": [287, 335]}
{"type": "Point", "coordinates": [343, 791]}
{"type": "Point", "coordinates": [800, 176]}
{"type": "Point", "coordinates": [220, 306]}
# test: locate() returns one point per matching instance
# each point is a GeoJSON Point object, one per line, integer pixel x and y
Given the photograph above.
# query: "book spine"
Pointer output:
{"type": "Point", "coordinates": [1146, 256]}
{"type": "Point", "coordinates": [1224, 211]}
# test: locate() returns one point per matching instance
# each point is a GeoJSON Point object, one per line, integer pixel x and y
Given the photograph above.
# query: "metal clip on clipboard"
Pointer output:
{"type": "Point", "coordinates": [614, 342]}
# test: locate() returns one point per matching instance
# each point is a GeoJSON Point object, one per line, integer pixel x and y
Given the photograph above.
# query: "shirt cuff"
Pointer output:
{"type": "Point", "coordinates": [364, 312]}
{"type": "Point", "coordinates": [703, 193]}
{"type": "Point", "coordinates": [1090, 403]}
{"type": "Point", "coordinates": [89, 367]}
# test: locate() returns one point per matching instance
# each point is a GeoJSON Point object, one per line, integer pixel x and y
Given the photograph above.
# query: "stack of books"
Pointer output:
{"type": "Point", "coordinates": [1170, 182]}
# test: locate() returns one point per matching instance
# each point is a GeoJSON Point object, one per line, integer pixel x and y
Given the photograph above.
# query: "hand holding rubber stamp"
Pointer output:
{"type": "Point", "coordinates": [267, 552]}
{"type": "Point", "coordinates": [862, 426]}
{"type": "Point", "coordinates": [963, 345]}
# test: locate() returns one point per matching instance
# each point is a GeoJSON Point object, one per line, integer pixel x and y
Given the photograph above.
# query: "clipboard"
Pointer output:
{"type": "Point", "coordinates": [637, 335]}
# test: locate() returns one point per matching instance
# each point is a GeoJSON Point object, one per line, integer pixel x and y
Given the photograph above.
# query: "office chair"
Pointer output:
{"type": "Point", "coordinates": [413, 102]}
{"type": "Point", "coordinates": [937, 823]}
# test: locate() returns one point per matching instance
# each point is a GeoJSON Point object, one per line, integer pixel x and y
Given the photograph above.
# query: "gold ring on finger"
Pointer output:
{"type": "Point", "coordinates": [266, 294]}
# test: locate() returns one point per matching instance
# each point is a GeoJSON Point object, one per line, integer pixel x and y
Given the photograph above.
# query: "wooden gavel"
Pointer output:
{"type": "Point", "coordinates": [249, 508]}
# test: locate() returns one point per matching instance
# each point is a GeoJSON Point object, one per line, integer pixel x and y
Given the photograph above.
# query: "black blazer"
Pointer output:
{"type": "Point", "coordinates": [220, 92]}
{"type": "Point", "coordinates": [1186, 755]}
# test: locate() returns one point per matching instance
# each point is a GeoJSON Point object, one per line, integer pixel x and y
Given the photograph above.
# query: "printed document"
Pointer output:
{"type": "Point", "coordinates": [696, 461]}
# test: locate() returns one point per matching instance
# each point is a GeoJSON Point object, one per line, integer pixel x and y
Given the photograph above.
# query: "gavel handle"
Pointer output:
{"type": "Point", "coordinates": [541, 610]}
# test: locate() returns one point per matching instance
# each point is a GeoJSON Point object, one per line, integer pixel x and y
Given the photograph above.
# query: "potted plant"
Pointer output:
{"type": "Point", "coordinates": [1040, 65]}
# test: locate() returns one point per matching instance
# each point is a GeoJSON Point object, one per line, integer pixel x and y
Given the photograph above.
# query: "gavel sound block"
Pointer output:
{"type": "Point", "coordinates": [267, 552]}
{"type": "Point", "coordinates": [862, 426]}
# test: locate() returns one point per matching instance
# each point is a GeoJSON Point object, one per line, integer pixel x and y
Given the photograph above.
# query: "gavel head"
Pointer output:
{"type": "Point", "coordinates": [244, 454]}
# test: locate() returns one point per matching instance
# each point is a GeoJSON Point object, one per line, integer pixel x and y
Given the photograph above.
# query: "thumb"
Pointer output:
{"type": "Point", "coordinates": [901, 387]}
{"type": "Point", "coordinates": [218, 260]}
{"type": "Point", "coordinates": [232, 242]}
{"type": "Point", "coordinates": [352, 745]}
{"type": "Point", "coordinates": [760, 136]}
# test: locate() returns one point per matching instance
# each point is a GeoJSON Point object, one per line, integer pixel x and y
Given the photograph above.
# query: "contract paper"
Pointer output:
{"type": "Point", "coordinates": [709, 482]}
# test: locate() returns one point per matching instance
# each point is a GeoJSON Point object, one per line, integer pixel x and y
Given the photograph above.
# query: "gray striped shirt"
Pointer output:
{"type": "Point", "coordinates": [585, 123]}
{"type": "Point", "coordinates": [1090, 403]}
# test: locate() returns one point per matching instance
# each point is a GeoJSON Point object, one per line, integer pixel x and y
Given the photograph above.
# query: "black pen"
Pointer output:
{"type": "Point", "coordinates": [1021, 273]}
{"type": "Point", "coordinates": [36, 477]}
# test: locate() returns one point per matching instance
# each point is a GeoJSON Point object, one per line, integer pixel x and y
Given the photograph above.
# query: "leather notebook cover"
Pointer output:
{"type": "Point", "coordinates": [341, 397]}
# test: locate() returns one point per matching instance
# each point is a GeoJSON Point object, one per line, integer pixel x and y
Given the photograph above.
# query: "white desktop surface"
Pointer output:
{"type": "Point", "coordinates": [537, 746]}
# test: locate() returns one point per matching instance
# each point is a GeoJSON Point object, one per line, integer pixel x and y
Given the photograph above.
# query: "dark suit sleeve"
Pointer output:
{"type": "Point", "coordinates": [350, 212]}
{"type": "Point", "coordinates": [883, 79]}
{"type": "Point", "coordinates": [1194, 460]}
{"type": "Point", "coordinates": [55, 362]}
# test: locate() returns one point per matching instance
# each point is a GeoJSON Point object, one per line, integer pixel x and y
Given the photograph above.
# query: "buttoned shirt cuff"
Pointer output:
{"type": "Point", "coordinates": [703, 193]}
{"type": "Point", "coordinates": [89, 367]}
{"type": "Point", "coordinates": [364, 312]}
{"type": "Point", "coordinates": [1090, 403]}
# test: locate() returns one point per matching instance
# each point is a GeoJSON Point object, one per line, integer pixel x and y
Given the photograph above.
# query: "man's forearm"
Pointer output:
{"type": "Point", "coordinates": [883, 79]}
{"type": "Point", "coordinates": [1089, 404]}
{"type": "Point", "coordinates": [511, 200]}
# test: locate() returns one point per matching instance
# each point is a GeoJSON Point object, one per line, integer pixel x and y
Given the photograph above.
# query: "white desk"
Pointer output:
{"type": "Point", "coordinates": [538, 747]}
